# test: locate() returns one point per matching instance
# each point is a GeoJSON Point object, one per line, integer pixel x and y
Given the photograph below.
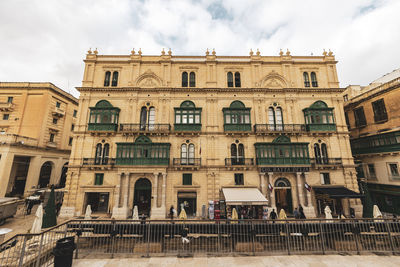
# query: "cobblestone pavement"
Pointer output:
{"type": "Point", "coordinates": [258, 261]}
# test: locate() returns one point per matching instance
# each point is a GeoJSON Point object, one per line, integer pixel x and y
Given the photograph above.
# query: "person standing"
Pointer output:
{"type": "Point", "coordinates": [273, 215]}
{"type": "Point", "coordinates": [296, 214]}
{"type": "Point", "coordinates": [171, 212]}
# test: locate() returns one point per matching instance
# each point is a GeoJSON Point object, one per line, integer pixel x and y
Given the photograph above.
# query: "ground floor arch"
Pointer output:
{"type": "Point", "coordinates": [45, 174]}
{"type": "Point", "coordinates": [142, 196]}
{"type": "Point", "coordinates": [63, 176]}
{"type": "Point", "coordinates": [283, 195]}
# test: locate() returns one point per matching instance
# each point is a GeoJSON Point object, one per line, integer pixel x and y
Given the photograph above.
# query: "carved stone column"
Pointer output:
{"type": "Point", "coordinates": [300, 188]}
{"type": "Point", "coordinates": [164, 186]}
{"type": "Point", "coordinates": [154, 192]}
{"type": "Point", "coordinates": [271, 192]}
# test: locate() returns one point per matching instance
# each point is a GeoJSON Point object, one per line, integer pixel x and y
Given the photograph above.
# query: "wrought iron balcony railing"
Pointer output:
{"type": "Point", "coordinates": [98, 161]}
{"type": "Point", "coordinates": [187, 161]}
{"type": "Point", "coordinates": [103, 127]}
{"type": "Point", "coordinates": [282, 128]}
{"type": "Point", "coordinates": [239, 161]}
{"type": "Point", "coordinates": [326, 161]}
{"type": "Point", "coordinates": [137, 127]}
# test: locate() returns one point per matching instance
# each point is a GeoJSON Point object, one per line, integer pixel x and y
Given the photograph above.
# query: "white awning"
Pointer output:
{"type": "Point", "coordinates": [244, 196]}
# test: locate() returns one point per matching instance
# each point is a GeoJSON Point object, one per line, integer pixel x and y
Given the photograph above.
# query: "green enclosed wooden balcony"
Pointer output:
{"type": "Point", "coordinates": [237, 127]}
{"type": "Point", "coordinates": [379, 143]}
{"type": "Point", "coordinates": [179, 127]}
{"type": "Point", "coordinates": [321, 127]}
{"type": "Point", "coordinates": [283, 161]}
{"type": "Point", "coordinates": [142, 152]}
{"type": "Point", "coordinates": [106, 127]}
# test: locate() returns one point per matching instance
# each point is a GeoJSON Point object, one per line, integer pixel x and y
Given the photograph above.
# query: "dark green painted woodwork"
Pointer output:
{"type": "Point", "coordinates": [379, 143]}
{"type": "Point", "coordinates": [387, 197]}
{"type": "Point", "coordinates": [103, 117]}
{"type": "Point", "coordinates": [187, 117]}
{"type": "Point", "coordinates": [237, 117]}
{"type": "Point", "coordinates": [319, 117]}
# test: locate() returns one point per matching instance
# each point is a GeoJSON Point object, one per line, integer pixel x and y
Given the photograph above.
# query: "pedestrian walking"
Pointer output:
{"type": "Point", "coordinates": [171, 212]}
{"type": "Point", "coordinates": [296, 214]}
{"type": "Point", "coordinates": [273, 215]}
{"type": "Point", "coordinates": [301, 212]}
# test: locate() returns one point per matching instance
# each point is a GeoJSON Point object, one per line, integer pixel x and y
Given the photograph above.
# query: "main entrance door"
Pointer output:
{"type": "Point", "coordinates": [142, 196]}
{"type": "Point", "coordinates": [97, 201]}
{"type": "Point", "coordinates": [283, 195]}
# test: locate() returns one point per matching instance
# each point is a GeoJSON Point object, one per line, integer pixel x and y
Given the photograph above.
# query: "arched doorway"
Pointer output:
{"type": "Point", "coordinates": [283, 195]}
{"type": "Point", "coordinates": [63, 176]}
{"type": "Point", "coordinates": [142, 196]}
{"type": "Point", "coordinates": [45, 174]}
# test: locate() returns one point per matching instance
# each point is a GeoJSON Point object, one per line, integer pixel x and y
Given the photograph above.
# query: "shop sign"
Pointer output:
{"type": "Point", "coordinates": [285, 169]}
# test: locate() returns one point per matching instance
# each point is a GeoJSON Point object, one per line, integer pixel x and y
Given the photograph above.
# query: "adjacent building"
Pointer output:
{"type": "Point", "coordinates": [36, 125]}
{"type": "Point", "coordinates": [373, 117]}
{"type": "Point", "coordinates": [250, 131]}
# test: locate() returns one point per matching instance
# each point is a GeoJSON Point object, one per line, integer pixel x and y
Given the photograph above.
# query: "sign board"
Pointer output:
{"type": "Point", "coordinates": [284, 169]}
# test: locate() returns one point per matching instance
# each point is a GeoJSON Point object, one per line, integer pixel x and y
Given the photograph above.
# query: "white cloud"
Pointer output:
{"type": "Point", "coordinates": [45, 40]}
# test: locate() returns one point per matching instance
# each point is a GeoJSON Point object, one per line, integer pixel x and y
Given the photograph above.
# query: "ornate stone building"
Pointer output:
{"type": "Point", "coordinates": [36, 124]}
{"type": "Point", "coordinates": [156, 131]}
{"type": "Point", "coordinates": [373, 117]}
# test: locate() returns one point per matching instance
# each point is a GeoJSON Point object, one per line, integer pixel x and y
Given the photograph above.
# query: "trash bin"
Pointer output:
{"type": "Point", "coordinates": [63, 252]}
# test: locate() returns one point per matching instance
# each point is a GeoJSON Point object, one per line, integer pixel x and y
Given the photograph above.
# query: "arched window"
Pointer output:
{"type": "Point", "coordinates": [237, 153]}
{"type": "Point", "coordinates": [107, 78]}
{"type": "Point", "coordinates": [106, 152]}
{"type": "Point", "coordinates": [237, 79]}
{"type": "Point", "coordinates": [184, 79]}
{"type": "Point", "coordinates": [187, 154]}
{"type": "Point", "coordinates": [97, 159]}
{"type": "Point", "coordinates": [314, 82]}
{"type": "Point", "coordinates": [321, 154]}
{"type": "Point", "coordinates": [275, 119]}
{"type": "Point", "coordinates": [306, 79]}
{"type": "Point", "coordinates": [115, 79]}
{"type": "Point", "coordinates": [192, 79]}
{"type": "Point", "coordinates": [147, 118]}
{"type": "Point", "coordinates": [230, 79]}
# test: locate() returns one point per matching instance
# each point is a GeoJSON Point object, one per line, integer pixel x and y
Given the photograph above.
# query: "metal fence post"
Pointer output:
{"type": "Point", "coordinates": [113, 234]}
{"type": "Point", "coordinates": [390, 237]}
{"type": "Point", "coordinates": [219, 238]}
{"type": "Point", "coordinates": [252, 233]}
{"type": "Point", "coordinates": [322, 238]}
{"type": "Point", "coordinates": [356, 233]}
{"type": "Point", "coordinates": [287, 236]}
{"type": "Point", "coordinates": [148, 238]}
{"type": "Point", "coordinates": [21, 258]}
{"type": "Point", "coordinates": [40, 251]}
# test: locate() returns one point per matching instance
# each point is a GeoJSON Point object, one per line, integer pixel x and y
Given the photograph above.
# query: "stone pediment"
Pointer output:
{"type": "Point", "coordinates": [273, 80]}
{"type": "Point", "coordinates": [148, 80]}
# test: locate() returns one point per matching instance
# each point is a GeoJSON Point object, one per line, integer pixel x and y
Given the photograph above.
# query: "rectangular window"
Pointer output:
{"type": "Point", "coordinates": [379, 110]}
{"type": "Point", "coordinates": [371, 170]}
{"type": "Point", "coordinates": [187, 179]}
{"type": "Point", "coordinates": [325, 178]}
{"type": "Point", "coordinates": [10, 99]}
{"type": "Point", "coordinates": [70, 141]}
{"type": "Point", "coordinates": [239, 180]}
{"type": "Point", "coordinates": [346, 116]}
{"type": "Point", "coordinates": [72, 127]}
{"type": "Point", "coordinates": [359, 116]}
{"type": "Point", "coordinates": [75, 113]}
{"type": "Point", "coordinates": [346, 98]}
{"type": "Point", "coordinates": [51, 137]}
{"type": "Point", "coordinates": [6, 117]}
{"type": "Point", "coordinates": [394, 170]}
{"type": "Point", "coordinates": [58, 104]}
{"type": "Point", "coordinates": [55, 121]}
{"type": "Point", "coordinates": [98, 178]}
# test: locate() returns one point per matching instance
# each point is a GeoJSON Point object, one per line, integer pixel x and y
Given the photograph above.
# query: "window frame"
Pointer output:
{"type": "Point", "coordinates": [114, 81]}
{"type": "Point", "coordinates": [98, 178]}
{"type": "Point", "coordinates": [238, 178]}
{"type": "Point", "coordinates": [6, 117]}
{"type": "Point", "coordinates": [371, 175]}
{"type": "Point", "coordinates": [325, 178]}
{"type": "Point", "coordinates": [107, 78]}
{"type": "Point", "coordinates": [379, 109]}
{"type": "Point", "coordinates": [75, 113]}
{"type": "Point", "coordinates": [70, 141]}
{"type": "Point", "coordinates": [392, 176]}
{"type": "Point", "coordinates": [360, 121]}
{"type": "Point", "coordinates": [52, 137]}
{"type": "Point", "coordinates": [55, 120]}
{"type": "Point", "coordinates": [10, 99]}
{"type": "Point", "coordinates": [306, 79]}
{"type": "Point", "coordinates": [58, 104]}
{"type": "Point", "coordinates": [187, 179]}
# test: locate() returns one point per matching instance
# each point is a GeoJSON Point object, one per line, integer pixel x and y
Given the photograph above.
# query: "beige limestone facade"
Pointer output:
{"type": "Point", "coordinates": [156, 131]}
{"type": "Point", "coordinates": [36, 121]}
{"type": "Point", "coordinates": [373, 117]}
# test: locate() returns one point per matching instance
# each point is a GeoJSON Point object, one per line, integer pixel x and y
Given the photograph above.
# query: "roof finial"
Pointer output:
{"type": "Point", "coordinates": [258, 52]}
{"type": "Point", "coordinates": [213, 52]}
{"type": "Point", "coordinates": [287, 52]}
{"type": "Point", "coordinates": [324, 53]}
{"type": "Point", "coordinates": [140, 51]}
{"type": "Point", "coordinates": [89, 51]}
{"type": "Point", "coordinates": [95, 51]}
{"type": "Point", "coordinates": [163, 52]}
{"type": "Point", "coordinates": [133, 51]}
{"type": "Point", "coordinates": [207, 52]}
{"type": "Point", "coordinates": [251, 52]}
{"type": "Point", "coordinates": [281, 52]}
{"type": "Point", "coordinates": [330, 53]}
{"type": "Point", "coordinates": [169, 52]}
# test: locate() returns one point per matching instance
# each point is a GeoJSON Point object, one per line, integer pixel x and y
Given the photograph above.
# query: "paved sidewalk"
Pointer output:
{"type": "Point", "coordinates": [273, 261]}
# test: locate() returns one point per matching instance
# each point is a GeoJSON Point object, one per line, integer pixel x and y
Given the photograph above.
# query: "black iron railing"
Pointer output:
{"type": "Point", "coordinates": [239, 161]}
{"type": "Point", "coordinates": [282, 128]}
{"type": "Point", "coordinates": [326, 161]}
{"type": "Point", "coordinates": [187, 161]}
{"type": "Point", "coordinates": [136, 127]}
{"type": "Point", "coordinates": [98, 161]}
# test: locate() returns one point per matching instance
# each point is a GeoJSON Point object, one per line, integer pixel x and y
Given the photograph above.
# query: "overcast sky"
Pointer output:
{"type": "Point", "coordinates": [46, 40]}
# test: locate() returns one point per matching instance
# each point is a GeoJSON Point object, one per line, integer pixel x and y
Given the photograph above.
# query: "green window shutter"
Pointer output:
{"type": "Point", "coordinates": [187, 179]}
{"type": "Point", "coordinates": [98, 178]}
